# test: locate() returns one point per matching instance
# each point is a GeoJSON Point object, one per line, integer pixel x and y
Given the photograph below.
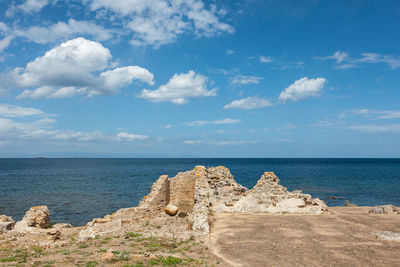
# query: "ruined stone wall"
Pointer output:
{"type": "Point", "coordinates": [182, 189]}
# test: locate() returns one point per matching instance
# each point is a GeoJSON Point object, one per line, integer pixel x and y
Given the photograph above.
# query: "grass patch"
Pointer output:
{"type": "Point", "coordinates": [83, 245]}
{"type": "Point", "coordinates": [170, 260]}
{"type": "Point", "coordinates": [122, 255]}
{"type": "Point", "coordinates": [132, 235]}
{"type": "Point", "coordinates": [153, 245]}
{"type": "Point", "coordinates": [91, 264]}
{"type": "Point", "coordinates": [105, 240]}
{"type": "Point", "coordinates": [64, 252]}
{"type": "Point", "coordinates": [37, 249]}
{"type": "Point", "coordinates": [9, 259]}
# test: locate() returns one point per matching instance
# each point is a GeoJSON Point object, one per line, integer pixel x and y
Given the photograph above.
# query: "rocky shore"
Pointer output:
{"type": "Point", "coordinates": [171, 224]}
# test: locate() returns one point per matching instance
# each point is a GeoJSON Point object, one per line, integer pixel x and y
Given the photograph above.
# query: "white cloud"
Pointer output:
{"type": "Point", "coordinates": [287, 127]}
{"type": "Point", "coordinates": [243, 79]}
{"type": "Point", "coordinates": [344, 61]}
{"type": "Point", "coordinates": [33, 5]}
{"type": "Point", "coordinates": [12, 111]}
{"type": "Point", "coordinates": [229, 52]}
{"type": "Point", "coordinates": [338, 56]}
{"type": "Point", "coordinates": [376, 128]}
{"type": "Point", "coordinates": [16, 128]}
{"type": "Point", "coordinates": [29, 6]}
{"type": "Point", "coordinates": [124, 136]}
{"type": "Point", "coordinates": [281, 65]}
{"type": "Point", "coordinates": [5, 42]}
{"type": "Point", "coordinates": [159, 22]}
{"type": "Point", "coordinates": [372, 58]}
{"type": "Point", "coordinates": [378, 114]}
{"type": "Point", "coordinates": [219, 143]}
{"type": "Point", "coordinates": [63, 31]}
{"type": "Point", "coordinates": [303, 88]}
{"type": "Point", "coordinates": [68, 70]}
{"type": "Point", "coordinates": [5, 36]}
{"type": "Point", "coordinates": [223, 121]}
{"type": "Point", "coordinates": [42, 130]}
{"type": "Point", "coordinates": [179, 88]}
{"type": "Point", "coordinates": [264, 59]}
{"type": "Point", "coordinates": [251, 102]}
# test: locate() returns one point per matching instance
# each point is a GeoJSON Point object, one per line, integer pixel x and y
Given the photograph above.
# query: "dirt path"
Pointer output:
{"type": "Point", "coordinates": [341, 239]}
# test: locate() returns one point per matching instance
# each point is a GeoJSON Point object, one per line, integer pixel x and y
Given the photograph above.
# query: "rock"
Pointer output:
{"type": "Point", "coordinates": [229, 203]}
{"type": "Point", "coordinates": [171, 210]}
{"type": "Point", "coordinates": [387, 235]}
{"type": "Point", "coordinates": [376, 210]}
{"type": "Point", "coordinates": [384, 209]}
{"type": "Point", "coordinates": [37, 216]}
{"type": "Point", "coordinates": [335, 197]}
{"type": "Point", "coordinates": [54, 234]}
{"type": "Point", "coordinates": [107, 256]}
{"type": "Point", "coordinates": [390, 209]}
{"type": "Point", "coordinates": [92, 229]}
{"type": "Point", "coordinates": [6, 223]}
{"type": "Point", "coordinates": [62, 225]}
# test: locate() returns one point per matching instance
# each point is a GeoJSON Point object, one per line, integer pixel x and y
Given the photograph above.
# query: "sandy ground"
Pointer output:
{"type": "Point", "coordinates": [340, 239]}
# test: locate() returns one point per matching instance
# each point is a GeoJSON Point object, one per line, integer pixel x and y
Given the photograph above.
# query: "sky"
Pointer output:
{"type": "Point", "coordinates": [197, 78]}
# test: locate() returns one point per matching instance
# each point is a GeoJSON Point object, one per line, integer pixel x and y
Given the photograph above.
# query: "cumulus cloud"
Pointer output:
{"type": "Point", "coordinates": [229, 52]}
{"type": "Point", "coordinates": [179, 88]}
{"type": "Point", "coordinates": [243, 79]}
{"type": "Point", "coordinates": [159, 22]}
{"type": "Point", "coordinates": [264, 59]}
{"type": "Point", "coordinates": [251, 102]}
{"type": "Point", "coordinates": [303, 88]}
{"type": "Point", "coordinates": [215, 122]}
{"type": "Point", "coordinates": [69, 69]}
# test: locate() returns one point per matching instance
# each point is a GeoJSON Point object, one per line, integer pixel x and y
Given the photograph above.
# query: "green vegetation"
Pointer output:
{"type": "Point", "coordinates": [84, 245]}
{"type": "Point", "coordinates": [37, 249]}
{"type": "Point", "coordinates": [349, 204]}
{"type": "Point", "coordinates": [170, 260]}
{"type": "Point", "coordinates": [132, 235]}
{"type": "Point", "coordinates": [91, 264]}
{"type": "Point", "coordinates": [122, 255]}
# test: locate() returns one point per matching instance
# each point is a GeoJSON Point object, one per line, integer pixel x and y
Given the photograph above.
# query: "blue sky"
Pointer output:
{"type": "Point", "coordinates": [196, 78]}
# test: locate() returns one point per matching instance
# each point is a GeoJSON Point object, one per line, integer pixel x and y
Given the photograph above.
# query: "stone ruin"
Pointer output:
{"type": "Point", "coordinates": [200, 192]}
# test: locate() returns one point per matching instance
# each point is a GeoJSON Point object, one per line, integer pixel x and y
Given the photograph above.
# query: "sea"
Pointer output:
{"type": "Point", "coordinates": [77, 190]}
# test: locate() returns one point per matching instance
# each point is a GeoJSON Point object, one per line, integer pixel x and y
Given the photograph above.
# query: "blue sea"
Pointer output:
{"type": "Point", "coordinates": [77, 190]}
